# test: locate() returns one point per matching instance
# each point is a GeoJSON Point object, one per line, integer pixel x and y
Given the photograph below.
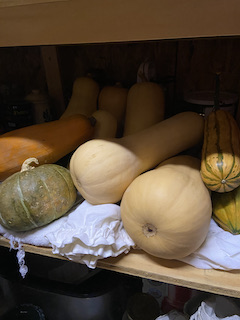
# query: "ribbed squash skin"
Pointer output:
{"type": "Point", "coordinates": [167, 210]}
{"type": "Point", "coordinates": [48, 142]}
{"type": "Point", "coordinates": [35, 197]}
{"type": "Point", "coordinates": [220, 165]}
{"type": "Point", "coordinates": [226, 210]}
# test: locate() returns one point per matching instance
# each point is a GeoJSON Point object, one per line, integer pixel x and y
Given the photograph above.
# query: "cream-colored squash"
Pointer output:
{"type": "Point", "coordinates": [145, 107]}
{"type": "Point", "coordinates": [102, 169]}
{"type": "Point", "coordinates": [84, 97]}
{"type": "Point", "coordinates": [114, 100]}
{"type": "Point", "coordinates": [106, 125]}
{"type": "Point", "coordinates": [167, 210]}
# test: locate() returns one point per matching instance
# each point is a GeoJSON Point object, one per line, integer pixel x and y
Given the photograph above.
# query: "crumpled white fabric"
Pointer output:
{"type": "Point", "coordinates": [85, 235]}
{"type": "Point", "coordinates": [220, 250]}
{"type": "Point", "coordinates": [172, 315]}
{"type": "Point", "coordinates": [216, 308]}
{"type": "Point", "coordinates": [91, 232]}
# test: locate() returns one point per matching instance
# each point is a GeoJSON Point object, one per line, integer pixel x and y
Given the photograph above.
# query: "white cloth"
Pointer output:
{"type": "Point", "coordinates": [216, 308]}
{"type": "Point", "coordinates": [86, 234]}
{"type": "Point", "coordinates": [172, 315]}
{"type": "Point", "coordinates": [220, 250]}
{"type": "Point", "coordinates": [92, 232]}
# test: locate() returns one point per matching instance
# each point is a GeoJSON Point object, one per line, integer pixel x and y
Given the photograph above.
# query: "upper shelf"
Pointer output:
{"type": "Point", "coordinates": [46, 22]}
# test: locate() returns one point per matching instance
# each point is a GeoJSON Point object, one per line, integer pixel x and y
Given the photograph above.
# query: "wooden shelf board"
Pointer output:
{"type": "Point", "coordinates": [42, 22]}
{"type": "Point", "coordinates": [140, 264]}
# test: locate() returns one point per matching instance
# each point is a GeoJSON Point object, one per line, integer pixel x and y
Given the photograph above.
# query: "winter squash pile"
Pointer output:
{"type": "Point", "coordinates": [124, 150]}
{"type": "Point", "coordinates": [103, 169]}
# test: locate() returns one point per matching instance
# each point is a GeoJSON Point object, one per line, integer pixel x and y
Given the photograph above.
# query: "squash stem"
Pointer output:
{"type": "Point", "coordinates": [26, 164]}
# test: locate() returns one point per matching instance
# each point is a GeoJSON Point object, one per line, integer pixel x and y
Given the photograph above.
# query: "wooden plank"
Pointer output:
{"type": "Point", "coordinates": [94, 21]}
{"type": "Point", "coordinates": [53, 78]}
{"type": "Point", "coordinates": [14, 3]}
{"type": "Point", "coordinates": [140, 264]}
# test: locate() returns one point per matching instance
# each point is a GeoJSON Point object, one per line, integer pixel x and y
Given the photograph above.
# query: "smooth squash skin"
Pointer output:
{"type": "Point", "coordinates": [84, 97]}
{"type": "Point", "coordinates": [102, 169]}
{"type": "Point", "coordinates": [220, 166]}
{"type": "Point", "coordinates": [35, 197]}
{"type": "Point", "coordinates": [145, 107]}
{"type": "Point", "coordinates": [48, 142]}
{"type": "Point", "coordinates": [105, 126]}
{"type": "Point", "coordinates": [167, 210]}
{"type": "Point", "coordinates": [226, 210]}
{"type": "Point", "coordinates": [114, 100]}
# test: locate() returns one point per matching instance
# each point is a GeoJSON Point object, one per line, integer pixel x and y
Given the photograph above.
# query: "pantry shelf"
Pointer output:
{"type": "Point", "coordinates": [138, 263]}
{"type": "Point", "coordinates": [72, 22]}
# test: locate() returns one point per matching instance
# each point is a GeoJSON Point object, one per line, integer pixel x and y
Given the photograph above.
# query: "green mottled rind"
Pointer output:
{"type": "Point", "coordinates": [36, 197]}
{"type": "Point", "coordinates": [226, 210]}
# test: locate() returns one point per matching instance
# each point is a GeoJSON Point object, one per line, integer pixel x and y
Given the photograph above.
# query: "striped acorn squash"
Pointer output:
{"type": "Point", "coordinates": [226, 210]}
{"type": "Point", "coordinates": [220, 165]}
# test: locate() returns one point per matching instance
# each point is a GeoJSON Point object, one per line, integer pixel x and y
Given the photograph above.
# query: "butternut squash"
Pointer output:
{"type": "Point", "coordinates": [167, 210]}
{"type": "Point", "coordinates": [220, 166]}
{"type": "Point", "coordinates": [102, 169]}
{"type": "Point", "coordinates": [114, 100]}
{"type": "Point", "coordinates": [106, 125]}
{"type": "Point", "coordinates": [48, 142]}
{"type": "Point", "coordinates": [145, 107]}
{"type": "Point", "coordinates": [84, 97]}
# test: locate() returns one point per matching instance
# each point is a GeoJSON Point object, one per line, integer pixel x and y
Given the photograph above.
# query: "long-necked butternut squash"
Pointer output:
{"type": "Point", "coordinates": [114, 100]}
{"type": "Point", "coordinates": [220, 166]}
{"type": "Point", "coordinates": [48, 142]}
{"type": "Point", "coordinates": [84, 97]}
{"type": "Point", "coordinates": [102, 169]}
{"type": "Point", "coordinates": [167, 210]}
{"type": "Point", "coordinates": [145, 107]}
{"type": "Point", "coordinates": [106, 125]}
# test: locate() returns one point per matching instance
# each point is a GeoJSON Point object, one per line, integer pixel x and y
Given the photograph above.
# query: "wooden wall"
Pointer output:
{"type": "Point", "coordinates": [181, 66]}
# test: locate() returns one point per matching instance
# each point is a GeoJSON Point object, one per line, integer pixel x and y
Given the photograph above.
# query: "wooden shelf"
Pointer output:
{"type": "Point", "coordinates": [51, 22]}
{"type": "Point", "coordinates": [56, 22]}
{"type": "Point", "coordinates": [140, 264]}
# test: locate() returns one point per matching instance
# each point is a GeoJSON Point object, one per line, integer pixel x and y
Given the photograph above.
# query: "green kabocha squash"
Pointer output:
{"type": "Point", "coordinates": [35, 196]}
{"type": "Point", "coordinates": [226, 210]}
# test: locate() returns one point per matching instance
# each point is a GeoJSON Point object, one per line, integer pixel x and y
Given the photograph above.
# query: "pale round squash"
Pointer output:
{"type": "Point", "coordinates": [102, 169]}
{"type": "Point", "coordinates": [105, 126]}
{"type": "Point", "coordinates": [145, 107]}
{"type": "Point", "coordinates": [35, 197]}
{"type": "Point", "coordinates": [167, 211]}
